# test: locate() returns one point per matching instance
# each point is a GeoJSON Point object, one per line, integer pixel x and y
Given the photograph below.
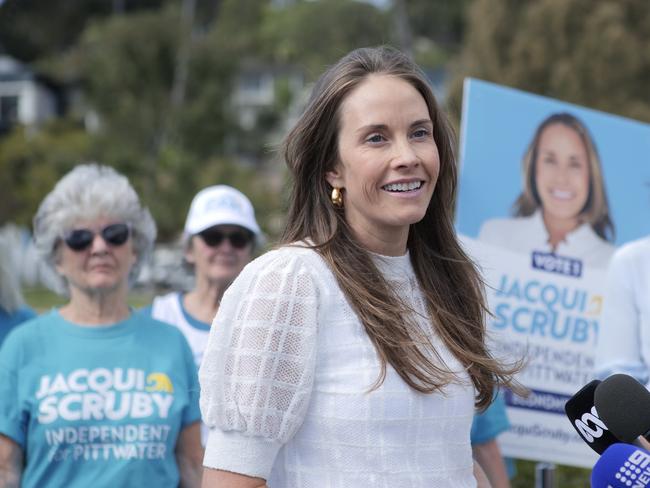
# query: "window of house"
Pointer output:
{"type": "Point", "coordinates": [8, 109]}
{"type": "Point", "coordinates": [251, 81]}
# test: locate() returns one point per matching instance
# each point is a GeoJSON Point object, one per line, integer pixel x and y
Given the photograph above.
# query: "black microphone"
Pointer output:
{"type": "Point", "coordinates": [581, 410]}
{"type": "Point", "coordinates": [624, 404]}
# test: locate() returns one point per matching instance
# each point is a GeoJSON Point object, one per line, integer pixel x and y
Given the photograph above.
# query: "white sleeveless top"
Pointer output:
{"type": "Point", "coordinates": [285, 386]}
{"type": "Point", "coordinates": [168, 308]}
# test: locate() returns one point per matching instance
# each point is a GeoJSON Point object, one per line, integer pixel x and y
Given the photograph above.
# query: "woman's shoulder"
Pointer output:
{"type": "Point", "coordinates": [34, 322]}
{"type": "Point", "coordinates": [499, 229]}
{"type": "Point", "coordinates": [144, 320]}
{"type": "Point", "coordinates": [25, 313]}
{"type": "Point", "coordinates": [159, 335]}
{"type": "Point", "coordinates": [634, 254]}
{"type": "Point", "coordinates": [31, 331]}
{"type": "Point", "coordinates": [290, 258]}
{"type": "Point", "coordinates": [507, 222]}
{"type": "Point", "coordinates": [15, 317]}
{"type": "Point", "coordinates": [287, 270]}
{"type": "Point", "coordinates": [300, 250]}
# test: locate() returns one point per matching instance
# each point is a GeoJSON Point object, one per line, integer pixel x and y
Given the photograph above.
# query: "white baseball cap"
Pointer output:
{"type": "Point", "coordinates": [221, 205]}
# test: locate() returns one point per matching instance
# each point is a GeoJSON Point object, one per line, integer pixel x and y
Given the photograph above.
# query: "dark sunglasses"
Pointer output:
{"type": "Point", "coordinates": [80, 239]}
{"type": "Point", "coordinates": [239, 239]}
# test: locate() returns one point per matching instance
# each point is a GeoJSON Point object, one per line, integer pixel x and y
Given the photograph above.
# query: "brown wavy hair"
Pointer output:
{"type": "Point", "coordinates": [596, 209]}
{"type": "Point", "coordinates": [449, 281]}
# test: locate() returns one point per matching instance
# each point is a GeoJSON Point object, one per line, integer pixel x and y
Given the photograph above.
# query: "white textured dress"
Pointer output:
{"type": "Point", "coordinates": [285, 387]}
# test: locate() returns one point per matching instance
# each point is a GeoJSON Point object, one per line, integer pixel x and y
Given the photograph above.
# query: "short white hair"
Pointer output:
{"type": "Point", "coordinates": [88, 192]}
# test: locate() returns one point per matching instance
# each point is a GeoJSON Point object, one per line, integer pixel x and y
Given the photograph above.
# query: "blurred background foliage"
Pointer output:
{"type": "Point", "coordinates": [590, 52]}
{"type": "Point", "coordinates": [152, 85]}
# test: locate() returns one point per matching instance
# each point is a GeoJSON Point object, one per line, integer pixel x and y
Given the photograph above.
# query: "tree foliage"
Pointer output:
{"type": "Point", "coordinates": [316, 34]}
{"type": "Point", "coordinates": [441, 21]}
{"type": "Point", "coordinates": [127, 60]}
{"type": "Point", "coordinates": [34, 29]}
{"type": "Point", "coordinates": [127, 66]}
{"type": "Point", "coordinates": [32, 161]}
{"type": "Point", "coordinates": [237, 29]}
{"type": "Point", "coordinates": [590, 52]}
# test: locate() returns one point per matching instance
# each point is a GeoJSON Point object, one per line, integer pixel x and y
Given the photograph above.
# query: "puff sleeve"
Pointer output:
{"type": "Point", "coordinates": [257, 372]}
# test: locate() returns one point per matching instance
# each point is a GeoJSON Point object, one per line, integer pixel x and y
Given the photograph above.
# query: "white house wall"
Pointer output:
{"type": "Point", "coordinates": [35, 103]}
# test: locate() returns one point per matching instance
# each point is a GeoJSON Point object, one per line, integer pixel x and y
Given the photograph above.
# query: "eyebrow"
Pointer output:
{"type": "Point", "coordinates": [372, 127]}
{"type": "Point", "coordinates": [552, 152]}
{"type": "Point", "coordinates": [422, 121]}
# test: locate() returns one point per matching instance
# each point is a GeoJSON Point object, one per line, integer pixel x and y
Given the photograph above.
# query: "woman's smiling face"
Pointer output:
{"type": "Point", "coordinates": [388, 159]}
{"type": "Point", "coordinates": [562, 172]}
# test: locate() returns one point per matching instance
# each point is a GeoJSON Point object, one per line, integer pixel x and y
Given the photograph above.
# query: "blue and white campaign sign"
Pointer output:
{"type": "Point", "coordinates": [548, 190]}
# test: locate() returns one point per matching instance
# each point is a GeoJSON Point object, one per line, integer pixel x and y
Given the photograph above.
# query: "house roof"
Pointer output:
{"type": "Point", "coordinates": [13, 70]}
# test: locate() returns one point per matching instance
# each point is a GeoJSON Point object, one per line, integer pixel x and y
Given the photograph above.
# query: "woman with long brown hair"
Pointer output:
{"type": "Point", "coordinates": [354, 354]}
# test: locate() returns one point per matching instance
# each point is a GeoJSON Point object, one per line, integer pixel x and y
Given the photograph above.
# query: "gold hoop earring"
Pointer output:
{"type": "Point", "coordinates": [337, 197]}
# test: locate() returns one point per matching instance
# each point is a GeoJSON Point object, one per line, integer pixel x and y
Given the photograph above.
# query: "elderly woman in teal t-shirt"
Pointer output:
{"type": "Point", "coordinates": [93, 394]}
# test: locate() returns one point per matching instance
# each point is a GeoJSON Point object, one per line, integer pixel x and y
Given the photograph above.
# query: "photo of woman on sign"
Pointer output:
{"type": "Point", "coordinates": [563, 207]}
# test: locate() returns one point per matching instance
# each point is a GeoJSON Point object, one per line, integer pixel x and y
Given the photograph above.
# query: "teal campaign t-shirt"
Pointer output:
{"type": "Point", "coordinates": [97, 406]}
{"type": "Point", "coordinates": [9, 320]}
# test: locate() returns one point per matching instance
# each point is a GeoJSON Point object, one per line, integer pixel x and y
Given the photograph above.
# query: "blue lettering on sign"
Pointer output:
{"type": "Point", "coordinates": [543, 309]}
{"type": "Point", "coordinates": [544, 323]}
{"type": "Point", "coordinates": [538, 400]}
{"type": "Point", "coordinates": [552, 263]}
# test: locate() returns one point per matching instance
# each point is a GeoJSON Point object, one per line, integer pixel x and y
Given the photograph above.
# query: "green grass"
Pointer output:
{"type": "Point", "coordinates": [41, 299]}
{"type": "Point", "coordinates": [565, 476]}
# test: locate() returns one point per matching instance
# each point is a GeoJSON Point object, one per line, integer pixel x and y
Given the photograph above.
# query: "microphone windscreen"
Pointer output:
{"type": "Point", "coordinates": [622, 466]}
{"type": "Point", "coordinates": [624, 405]}
{"type": "Point", "coordinates": [583, 416]}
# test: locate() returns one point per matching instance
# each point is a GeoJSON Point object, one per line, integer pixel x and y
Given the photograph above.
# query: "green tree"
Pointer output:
{"type": "Point", "coordinates": [32, 161]}
{"type": "Point", "coordinates": [236, 32]}
{"type": "Point", "coordinates": [127, 68]}
{"type": "Point", "coordinates": [290, 35]}
{"type": "Point", "coordinates": [441, 21]}
{"type": "Point", "coordinates": [590, 52]}
{"type": "Point", "coordinates": [127, 65]}
{"type": "Point", "coordinates": [33, 29]}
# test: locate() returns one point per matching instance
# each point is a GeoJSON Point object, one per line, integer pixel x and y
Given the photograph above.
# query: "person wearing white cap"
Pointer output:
{"type": "Point", "coordinates": [220, 235]}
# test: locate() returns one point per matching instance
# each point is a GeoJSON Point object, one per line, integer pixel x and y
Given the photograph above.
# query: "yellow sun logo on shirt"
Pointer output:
{"type": "Point", "coordinates": [159, 382]}
{"type": "Point", "coordinates": [595, 305]}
